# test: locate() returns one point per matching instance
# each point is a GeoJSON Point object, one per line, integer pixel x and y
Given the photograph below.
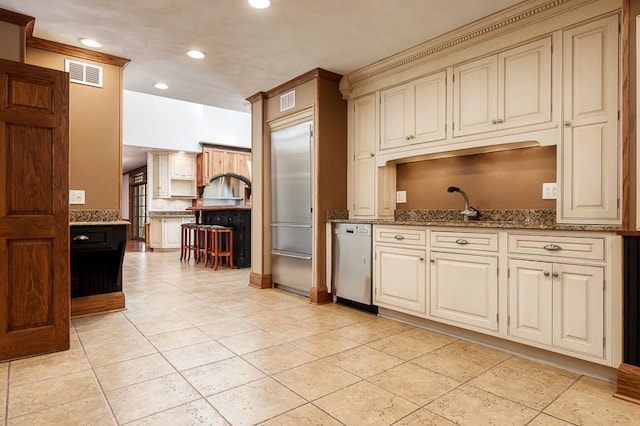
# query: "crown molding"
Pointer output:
{"type": "Point", "coordinates": [16, 18]}
{"type": "Point", "coordinates": [78, 52]}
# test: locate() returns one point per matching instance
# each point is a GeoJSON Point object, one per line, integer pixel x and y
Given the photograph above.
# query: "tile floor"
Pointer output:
{"type": "Point", "coordinates": [201, 347]}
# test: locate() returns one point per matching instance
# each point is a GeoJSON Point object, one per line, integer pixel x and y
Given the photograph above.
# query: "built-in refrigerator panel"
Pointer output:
{"type": "Point", "coordinates": [291, 207]}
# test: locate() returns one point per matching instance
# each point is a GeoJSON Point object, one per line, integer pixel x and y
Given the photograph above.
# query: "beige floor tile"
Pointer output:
{"type": "Point", "coordinates": [250, 341]}
{"type": "Point", "coordinates": [102, 336]}
{"type": "Point", "coordinates": [316, 379]}
{"type": "Point", "coordinates": [461, 360]}
{"type": "Point", "coordinates": [364, 403]}
{"type": "Point", "coordinates": [105, 322]}
{"type": "Point", "coordinates": [92, 411]}
{"type": "Point", "coordinates": [197, 355]}
{"type": "Point", "coordinates": [4, 375]}
{"type": "Point", "coordinates": [309, 415]}
{"type": "Point", "coordinates": [37, 396]}
{"type": "Point", "coordinates": [278, 358]}
{"type": "Point", "coordinates": [424, 417]}
{"type": "Point", "coordinates": [231, 327]}
{"type": "Point", "coordinates": [162, 324]}
{"type": "Point", "coordinates": [133, 371]}
{"type": "Point", "coordinates": [589, 402]}
{"type": "Point", "coordinates": [205, 315]}
{"type": "Point", "coordinates": [151, 397]}
{"type": "Point", "coordinates": [194, 413]}
{"type": "Point", "coordinates": [391, 324]}
{"type": "Point", "coordinates": [292, 331]}
{"type": "Point", "coordinates": [364, 361]}
{"type": "Point", "coordinates": [527, 382]}
{"type": "Point", "coordinates": [255, 402]}
{"type": "Point", "coordinates": [178, 339]}
{"type": "Point", "coordinates": [325, 344]}
{"type": "Point", "coordinates": [402, 346]}
{"type": "Point", "coordinates": [415, 384]}
{"type": "Point", "coordinates": [269, 318]}
{"type": "Point", "coordinates": [110, 353]}
{"type": "Point", "coordinates": [545, 420]}
{"type": "Point", "coordinates": [429, 337]}
{"type": "Point", "coordinates": [222, 375]}
{"type": "Point", "coordinates": [48, 366]}
{"type": "Point", "coordinates": [467, 405]}
{"type": "Point", "coordinates": [364, 332]}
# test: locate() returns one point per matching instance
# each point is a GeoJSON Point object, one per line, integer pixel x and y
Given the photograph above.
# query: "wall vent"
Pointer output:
{"type": "Point", "coordinates": [288, 100]}
{"type": "Point", "coordinates": [82, 73]}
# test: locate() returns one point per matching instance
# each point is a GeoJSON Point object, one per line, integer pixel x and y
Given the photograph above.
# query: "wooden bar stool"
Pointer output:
{"type": "Point", "coordinates": [212, 250]}
{"type": "Point", "coordinates": [188, 241]}
{"type": "Point", "coordinates": [224, 246]}
{"type": "Point", "coordinates": [202, 243]}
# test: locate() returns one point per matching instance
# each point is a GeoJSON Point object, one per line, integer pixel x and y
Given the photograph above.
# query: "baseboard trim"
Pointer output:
{"type": "Point", "coordinates": [260, 281]}
{"type": "Point", "coordinates": [628, 383]}
{"type": "Point", "coordinates": [320, 297]}
{"type": "Point", "coordinates": [97, 304]}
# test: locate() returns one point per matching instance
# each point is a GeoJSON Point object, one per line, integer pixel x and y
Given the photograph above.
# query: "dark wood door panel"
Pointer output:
{"type": "Point", "coordinates": [34, 210]}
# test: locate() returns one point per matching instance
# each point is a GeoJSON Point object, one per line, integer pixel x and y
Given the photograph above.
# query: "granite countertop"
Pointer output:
{"type": "Point", "coordinates": [157, 213]}
{"type": "Point", "coordinates": [206, 208]}
{"type": "Point", "coordinates": [497, 219]}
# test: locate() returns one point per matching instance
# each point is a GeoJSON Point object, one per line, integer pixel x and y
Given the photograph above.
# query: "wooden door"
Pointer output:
{"type": "Point", "coordinates": [34, 210]}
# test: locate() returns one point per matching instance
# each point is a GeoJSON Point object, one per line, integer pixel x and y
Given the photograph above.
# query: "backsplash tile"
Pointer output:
{"type": "Point", "coordinates": [94, 215]}
{"type": "Point", "coordinates": [527, 217]}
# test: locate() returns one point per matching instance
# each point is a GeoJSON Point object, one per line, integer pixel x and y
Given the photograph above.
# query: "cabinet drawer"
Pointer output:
{"type": "Point", "coordinates": [401, 235]}
{"type": "Point", "coordinates": [557, 246]}
{"type": "Point", "coordinates": [464, 240]}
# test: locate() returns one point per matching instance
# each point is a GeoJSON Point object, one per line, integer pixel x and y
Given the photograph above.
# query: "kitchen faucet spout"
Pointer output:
{"type": "Point", "coordinates": [468, 210]}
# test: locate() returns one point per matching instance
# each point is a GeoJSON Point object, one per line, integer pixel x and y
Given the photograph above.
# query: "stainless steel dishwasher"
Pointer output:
{"type": "Point", "coordinates": [352, 271]}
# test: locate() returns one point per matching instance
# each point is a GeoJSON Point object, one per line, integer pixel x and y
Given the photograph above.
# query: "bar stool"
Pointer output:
{"type": "Point", "coordinates": [202, 243]}
{"type": "Point", "coordinates": [212, 249]}
{"type": "Point", "coordinates": [224, 246]}
{"type": "Point", "coordinates": [188, 241]}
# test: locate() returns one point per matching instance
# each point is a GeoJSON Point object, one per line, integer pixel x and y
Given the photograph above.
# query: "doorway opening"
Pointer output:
{"type": "Point", "coordinates": [138, 202]}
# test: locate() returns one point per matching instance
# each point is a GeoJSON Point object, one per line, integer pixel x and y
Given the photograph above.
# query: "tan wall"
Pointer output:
{"type": "Point", "coordinates": [305, 97]}
{"type": "Point", "coordinates": [95, 146]}
{"type": "Point", "coordinates": [500, 180]}
{"type": "Point", "coordinates": [12, 41]}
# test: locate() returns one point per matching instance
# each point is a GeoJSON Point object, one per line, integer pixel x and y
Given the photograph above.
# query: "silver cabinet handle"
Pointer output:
{"type": "Point", "coordinates": [555, 274]}
{"type": "Point", "coordinates": [421, 259]}
{"type": "Point", "coordinates": [546, 273]}
{"type": "Point", "coordinates": [371, 154]}
{"type": "Point", "coordinates": [567, 124]}
{"type": "Point", "coordinates": [409, 137]}
{"type": "Point", "coordinates": [462, 241]}
{"type": "Point", "coordinates": [398, 237]}
{"type": "Point", "coordinates": [494, 121]}
{"type": "Point", "coordinates": [80, 238]}
{"type": "Point", "coordinates": [552, 247]}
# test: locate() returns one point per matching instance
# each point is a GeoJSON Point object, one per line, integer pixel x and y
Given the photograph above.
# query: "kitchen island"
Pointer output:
{"type": "Point", "coordinates": [237, 217]}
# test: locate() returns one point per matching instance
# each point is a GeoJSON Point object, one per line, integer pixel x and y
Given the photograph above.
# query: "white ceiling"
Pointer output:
{"type": "Point", "coordinates": [248, 50]}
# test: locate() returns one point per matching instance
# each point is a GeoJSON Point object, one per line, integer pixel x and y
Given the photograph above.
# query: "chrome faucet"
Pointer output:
{"type": "Point", "coordinates": [468, 210]}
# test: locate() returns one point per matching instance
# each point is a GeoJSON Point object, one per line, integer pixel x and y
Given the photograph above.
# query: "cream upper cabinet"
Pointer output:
{"type": "Point", "coordinates": [183, 166]}
{"type": "Point", "coordinates": [371, 188]}
{"type": "Point", "coordinates": [414, 112]}
{"type": "Point", "coordinates": [504, 91]}
{"type": "Point", "coordinates": [161, 186]}
{"type": "Point", "coordinates": [590, 155]}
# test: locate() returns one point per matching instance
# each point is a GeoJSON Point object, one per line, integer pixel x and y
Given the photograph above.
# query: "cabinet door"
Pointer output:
{"type": "Point", "coordinates": [216, 163]}
{"type": "Point", "coordinates": [524, 85]}
{"type": "Point", "coordinates": [589, 154]}
{"type": "Point", "coordinates": [400, 279]}
{"type": "Point", "coordinates": [244, 164]}
{"type": "Point", "coordinates": [230, 162]}
{"type": "Point", "coordinates": [475, 97]}
{"type": "Point", "coordinates": [464, 289]}
{"type": "Point", "coordinates": [161, 176]}
{"type": "Point", "coordinates": [171, 232]}
{"type": "Point", "coordinates": [183, 166]}
{"type": "Point", "coordinates": [429, 112]}
{"type": "Point", "coordinates": [578, 308]}
{"type": "Point", "coordinates": [530, 296]}
{"type": "Point", "coordinates": [396, 117]}
{"type": "Point", "coordinates": [364, 162]}
{"type": "Point", "coordinates": [155, 233]}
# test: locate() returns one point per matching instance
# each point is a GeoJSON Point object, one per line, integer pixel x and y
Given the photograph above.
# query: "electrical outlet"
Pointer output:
{"type": "Point", "coordinates": [401, 196]}
{"type": "Point", "coordinates": [549, 191]}
{"type": "Point", "coordinates": [76, 196]}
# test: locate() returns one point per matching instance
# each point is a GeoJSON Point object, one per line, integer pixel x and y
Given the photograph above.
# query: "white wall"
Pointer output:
{"type": "Point", "coordinates": [162, 123]}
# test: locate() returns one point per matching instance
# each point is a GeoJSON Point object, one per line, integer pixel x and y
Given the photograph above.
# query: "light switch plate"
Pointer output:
{"type": "Point", "coordinates": [549, 191]}
{"type": "Point", "coordinates": [76, 196]}
{"type": "Point", "coordinates": [401, 196]}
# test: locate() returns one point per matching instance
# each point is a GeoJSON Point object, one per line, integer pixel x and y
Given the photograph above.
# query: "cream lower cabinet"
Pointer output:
{"type": "Point", "coordinates": [400, 277]}
{"type": "Point", "coordinates": [557, 304]}
{"type": "Point", "coordinates": [166, 232]}
{"type": "Point", "coordinates": [464, 289]}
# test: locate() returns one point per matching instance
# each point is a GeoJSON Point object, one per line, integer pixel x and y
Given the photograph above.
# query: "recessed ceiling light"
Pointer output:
{"type": "Point", "coordinates": [260, 4]}
{"type": "Point", "coordinates": [161, 86]}
{"type": "Point", "coordinates": [90, 43]}
{"type": "Point", "coordinates": [196, 54]}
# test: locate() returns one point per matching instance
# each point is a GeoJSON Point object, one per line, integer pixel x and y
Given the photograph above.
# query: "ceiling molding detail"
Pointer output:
{"type": "Point", "coordinates": [77, 52]}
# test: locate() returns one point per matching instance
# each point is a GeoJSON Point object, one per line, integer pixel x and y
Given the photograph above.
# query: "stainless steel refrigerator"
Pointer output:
{"type": "Point", "coordinates": [292, 207]}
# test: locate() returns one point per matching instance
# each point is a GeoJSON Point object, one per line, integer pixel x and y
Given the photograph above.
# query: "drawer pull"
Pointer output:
{"type": "Point", "coordinates": [398, 237]}
{"type": "Point", "coordinates": [552, 247]}
{"type": "Point", "coordinates": [462, 241]}
{"type": "Point", "coordinates": [80, 238]}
